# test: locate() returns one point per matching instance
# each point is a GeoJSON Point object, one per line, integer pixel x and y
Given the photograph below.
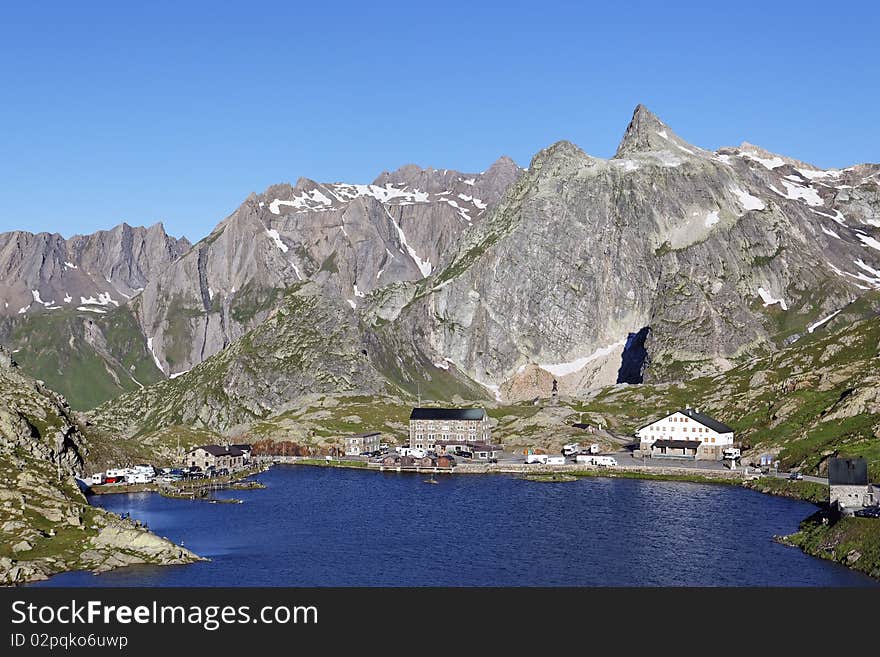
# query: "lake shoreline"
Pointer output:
{"type": "Point", "coordinates": [795, 490]}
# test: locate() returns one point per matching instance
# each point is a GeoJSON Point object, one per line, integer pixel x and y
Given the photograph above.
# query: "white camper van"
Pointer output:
{"type": "Point", "coordinates": [537, 458]}
{"type": "Point", "coordinates": [601, 461]}
{"type": "Point", "coordinates": [571, 449]}
{"type": "Point", "coordinates": [555, 460]}
{"type": "Point", "coordinates": [731, 453]}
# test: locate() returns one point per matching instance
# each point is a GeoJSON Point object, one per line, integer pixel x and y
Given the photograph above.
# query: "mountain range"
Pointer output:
{"type": "Point", "coordinates": [663, 263]}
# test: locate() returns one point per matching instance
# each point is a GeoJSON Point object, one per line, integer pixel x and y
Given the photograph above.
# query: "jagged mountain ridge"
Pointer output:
{"type": "Point", "coordinates": [712, 258]}
{"type": "Point", "coordinates": [349, 239]}
{"type": "Point", "coordinates": [64, 307]}
{"type": "Point", "coordinates": [716, 255]}
{"type": "Point", "coordinates": [43, 272]}
{"type": "Point", "coordinates": [698, 258]}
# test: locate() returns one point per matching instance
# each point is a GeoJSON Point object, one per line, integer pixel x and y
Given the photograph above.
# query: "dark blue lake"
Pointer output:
{"type": "Point", "coordinates": [331, 527]}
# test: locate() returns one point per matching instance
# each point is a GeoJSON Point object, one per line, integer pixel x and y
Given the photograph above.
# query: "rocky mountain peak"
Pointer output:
{"type": "Point", "coordinates": [646, 132]}
{"type": "Point", "coordinates": [559, 152]}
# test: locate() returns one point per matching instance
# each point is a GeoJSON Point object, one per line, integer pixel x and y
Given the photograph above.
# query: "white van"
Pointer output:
{"type": "Point", "coordinates": [605, 461]}
{"type": "Point", "coordinates": [555, 460]}
{"type": "Point", "coordinates": [537, 458]}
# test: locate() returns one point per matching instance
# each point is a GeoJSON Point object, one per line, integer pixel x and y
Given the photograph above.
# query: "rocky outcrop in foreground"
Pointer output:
{"type": "Point", "coordinates": [46, 523]}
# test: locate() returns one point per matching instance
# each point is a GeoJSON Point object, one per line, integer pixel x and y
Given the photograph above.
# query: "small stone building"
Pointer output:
{"type": "Point", "coordinates": [848, 486]}
{"type": "Point", "coordinates": [362, 443]}
{"type": "Point", "coordinates": [476, 449]}
{"type": "Point", "coordinates": [217, 456]}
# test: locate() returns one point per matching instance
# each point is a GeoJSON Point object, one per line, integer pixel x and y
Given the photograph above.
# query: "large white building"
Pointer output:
{"type": "Point", "coordinates": [685, 434]}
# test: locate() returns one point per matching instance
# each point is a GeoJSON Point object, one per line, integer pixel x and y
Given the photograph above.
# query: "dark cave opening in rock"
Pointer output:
{"type": "Point", "coordinates": [634, 358]}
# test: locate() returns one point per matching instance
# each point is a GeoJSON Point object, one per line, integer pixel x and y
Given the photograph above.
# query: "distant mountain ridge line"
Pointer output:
{"type": "Point", "coordinates": [468, 270]}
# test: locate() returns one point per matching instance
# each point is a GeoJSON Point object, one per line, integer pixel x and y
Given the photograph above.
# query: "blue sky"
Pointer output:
{"type": "Point", "coordinates": [176, 111]}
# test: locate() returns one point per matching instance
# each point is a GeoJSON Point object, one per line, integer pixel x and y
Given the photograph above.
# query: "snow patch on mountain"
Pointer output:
{"type": "Point", "coordinates": [275, 237]}
{"type": "Point", "coordinates": [830, 232]}
{"type": "Point", "coordinates": [424, 265]}
{"type": "Point", "coordinates": [562, 369]}
{"type": "Point", "coordinates": [796, 192]}
{"type": "Point", "coordinates": [869, 241]}
{"type": "Point", "coordinates": [746, 200]}
{"type": "Point", "coordinates": [103, 299]}
{"type": "Point", "coordinates": [770, 300]}
{"type": "Point", "coordinates": [837, 216]}
{"type": "Point", "coordinates": [813, 327]}
{"type": "Point", "coordinates": [768, 163]}
{"type": "Point", "coordinates": [153, 354]}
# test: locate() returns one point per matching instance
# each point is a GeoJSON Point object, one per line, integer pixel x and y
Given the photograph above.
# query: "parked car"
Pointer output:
{"type": "Point", "coordinates": [868, 512]}
{"type": "Point", "coordinates": [795, 476]}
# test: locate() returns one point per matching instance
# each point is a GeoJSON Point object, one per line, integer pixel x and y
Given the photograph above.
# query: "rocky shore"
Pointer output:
{"type": "Point", "coordinates": [46, 524]}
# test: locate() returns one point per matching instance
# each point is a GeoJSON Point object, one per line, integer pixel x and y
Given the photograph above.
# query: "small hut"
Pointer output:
{"type": "Point", "coordinates": [445, 461]}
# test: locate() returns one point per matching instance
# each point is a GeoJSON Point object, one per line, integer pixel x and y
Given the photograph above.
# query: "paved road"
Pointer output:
{"type": "Point", "coordinates": [784, 475]}
{"type": "Point", "coordinates": [625, 458]}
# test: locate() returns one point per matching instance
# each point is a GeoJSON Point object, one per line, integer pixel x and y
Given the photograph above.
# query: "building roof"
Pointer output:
{"type": "Point", "coordinates": [705, 420]}
{"type": "Point", "coordinates": [243, 448]}
{"type": "Point", "coordinates": [221, 450]}
{"type": "Point", "coordinates": [677, 444]}
{"type": "Point", "coordinates": [702, 418]}
{"type": "Point", "coordinates": [447, 414]}
{"type": "Point", "coordinates": [364, 435]}
{"type": "Point", "coordinates": [848, 472]}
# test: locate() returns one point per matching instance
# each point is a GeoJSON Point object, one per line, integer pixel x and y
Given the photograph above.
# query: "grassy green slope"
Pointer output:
{"type": "Point", "coordinates": [87, 357]}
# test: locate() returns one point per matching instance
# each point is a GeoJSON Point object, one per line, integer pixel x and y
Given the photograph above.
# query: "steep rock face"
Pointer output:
{"type": "Point", "coordinates": [349, 239]}
{"type": "Point", "coordinates": [45, 272]}
{"type": "Point", "coordinates": [36, 421]}
{"type": "Point", "coordinates": [722, 254]}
